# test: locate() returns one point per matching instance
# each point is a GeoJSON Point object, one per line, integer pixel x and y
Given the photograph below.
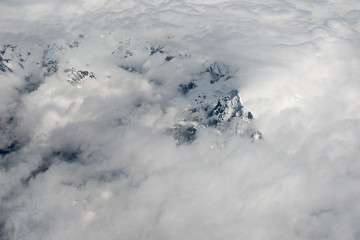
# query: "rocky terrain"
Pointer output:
{"type": "Point", "coordinates": [212, 101]}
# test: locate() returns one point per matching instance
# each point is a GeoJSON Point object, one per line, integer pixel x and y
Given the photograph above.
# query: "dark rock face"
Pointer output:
{"type": "Point", "coordinates": [131, 69]}
{"type": "Point", "coordinates": [227, 107]}
{"type": "Point", "coordinates": [184, 133]}
{"type": "Point", "coordinates": [217, 71]}
{"type": "Point", "coordinates": [169, 58]}
{"type": "Point", "coordinates": [68, 155]}
{"type": "Point", "coordinates": [12, 57]}
{"type": "Point", "coordinates": [10, 142]}
{"type": "Point", "coordinates": [228, 114]}
{"type": "Point", "coordinates": [14, 146]}
{"type": "Point", "coordinates": [42, 168]}
{"type": "Point", "coordinates": [212, 102]}
{"type": "Point", "coordinates": [51, 67]}
{"type": "Point", "coordinates": [77, 77]}
{"type": "Point", "coordinates": [74, 44]}
{"type": "Point", "coordinates": [50, 61]}
{"type": "Point", "coordinates": [156, 49]}
{"type": "Point", "coordinates": [185, 88]}
{"type": "Point", "coordinates": [32, 83]}
{"type": "Point", "coordinates": [5, 61]}
{"type": "Point", "coordinates": [3, 66]}
{"type": "Point", "coordinates": [3, 233]}
{"type": "Point", "coordinates": [256, 135]}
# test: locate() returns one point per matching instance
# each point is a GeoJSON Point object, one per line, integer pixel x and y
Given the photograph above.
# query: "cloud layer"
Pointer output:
{"type": "Point", "coordinates": [93, 89]}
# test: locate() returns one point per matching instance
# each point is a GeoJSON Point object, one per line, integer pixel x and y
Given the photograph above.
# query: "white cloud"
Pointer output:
{"type": "Point", "coordinates": [98, 161]}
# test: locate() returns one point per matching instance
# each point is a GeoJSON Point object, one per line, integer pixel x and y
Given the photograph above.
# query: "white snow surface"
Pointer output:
{"type": "Point", "coordinates": [97, 161]}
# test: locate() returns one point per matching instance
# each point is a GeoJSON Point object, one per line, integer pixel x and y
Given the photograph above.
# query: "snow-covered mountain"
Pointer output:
{"type": "Point", "coordinates": [186, 92]}
{"type": "Point", "coordinates": [212, 100]}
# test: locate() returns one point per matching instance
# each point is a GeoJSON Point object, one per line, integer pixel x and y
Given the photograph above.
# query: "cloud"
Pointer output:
{"type": "Point", "coordinates": [98, 159]}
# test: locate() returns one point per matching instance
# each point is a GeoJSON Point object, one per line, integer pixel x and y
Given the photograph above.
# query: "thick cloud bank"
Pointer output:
{"type": "Point", "coordinates": [179, 119]}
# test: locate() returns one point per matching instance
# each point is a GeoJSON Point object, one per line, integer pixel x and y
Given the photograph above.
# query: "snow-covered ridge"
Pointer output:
{"type": "Point", "coordinates": [77, 77]}
{"type": "Point", "coordinates": [210, 107]}
{"type": "Point", "coordinates": [212, 100]}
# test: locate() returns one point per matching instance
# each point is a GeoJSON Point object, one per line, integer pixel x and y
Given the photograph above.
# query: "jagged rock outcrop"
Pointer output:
{"type": "Point", "coordinates": [3, 66]}
{"type": "Point", "coordinates": [213, 102]}
{"type": "Point", "coordinates": [5, 59]}
{"type": "Point", "coordinates": [184, 132]}
{"type": "Point", "coordinates": [50, 60]}
{"type": "Point", "coordinates": [217, 72]}
{"type": "Point", "coordinates": [77, 77]}
{"type": "Point", "coordinates": [228, 114]}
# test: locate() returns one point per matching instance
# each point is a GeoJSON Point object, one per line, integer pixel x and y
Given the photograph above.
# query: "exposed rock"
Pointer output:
{"type": "Point", "coordinates": [51, 67]}
{"type": "Point", "coordinates": [169, 58]}
{"type": "Point", "coordinates": [68, 155]}
{"type": "Point", "coordinates": [131, 69]}
{"type": "Point", "coordinates": [74, 44]}
{"type": "Point", "coordinates": [3, 66]}
{"type": "Point", "coordinates": [228, 114]}
{"type": "Point", "coordinates": [77, 77]}
{"type": "Point", "coordinates": [4, 60]}
{"type": "Point", "coordinates": [184, 133]}
{"type": "Point", "coordinates": [42, 168]}
{"type": "Point", "coordinates": [14, 146]}
{"type": "Point", "coordinates": [212, 102]}
{"type": "Point", "coordinates": [156, 49]}
{"type": "Point", "coordinates": [185, 88]}
{"type": "Point", "coordinates": [218, 72]}
{"type": "Point", "coordinates": [50, 61]}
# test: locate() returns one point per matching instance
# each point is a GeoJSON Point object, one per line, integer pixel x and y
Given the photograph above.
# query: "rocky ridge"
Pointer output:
{"type": "Point", "coordinates": [213, 102]}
